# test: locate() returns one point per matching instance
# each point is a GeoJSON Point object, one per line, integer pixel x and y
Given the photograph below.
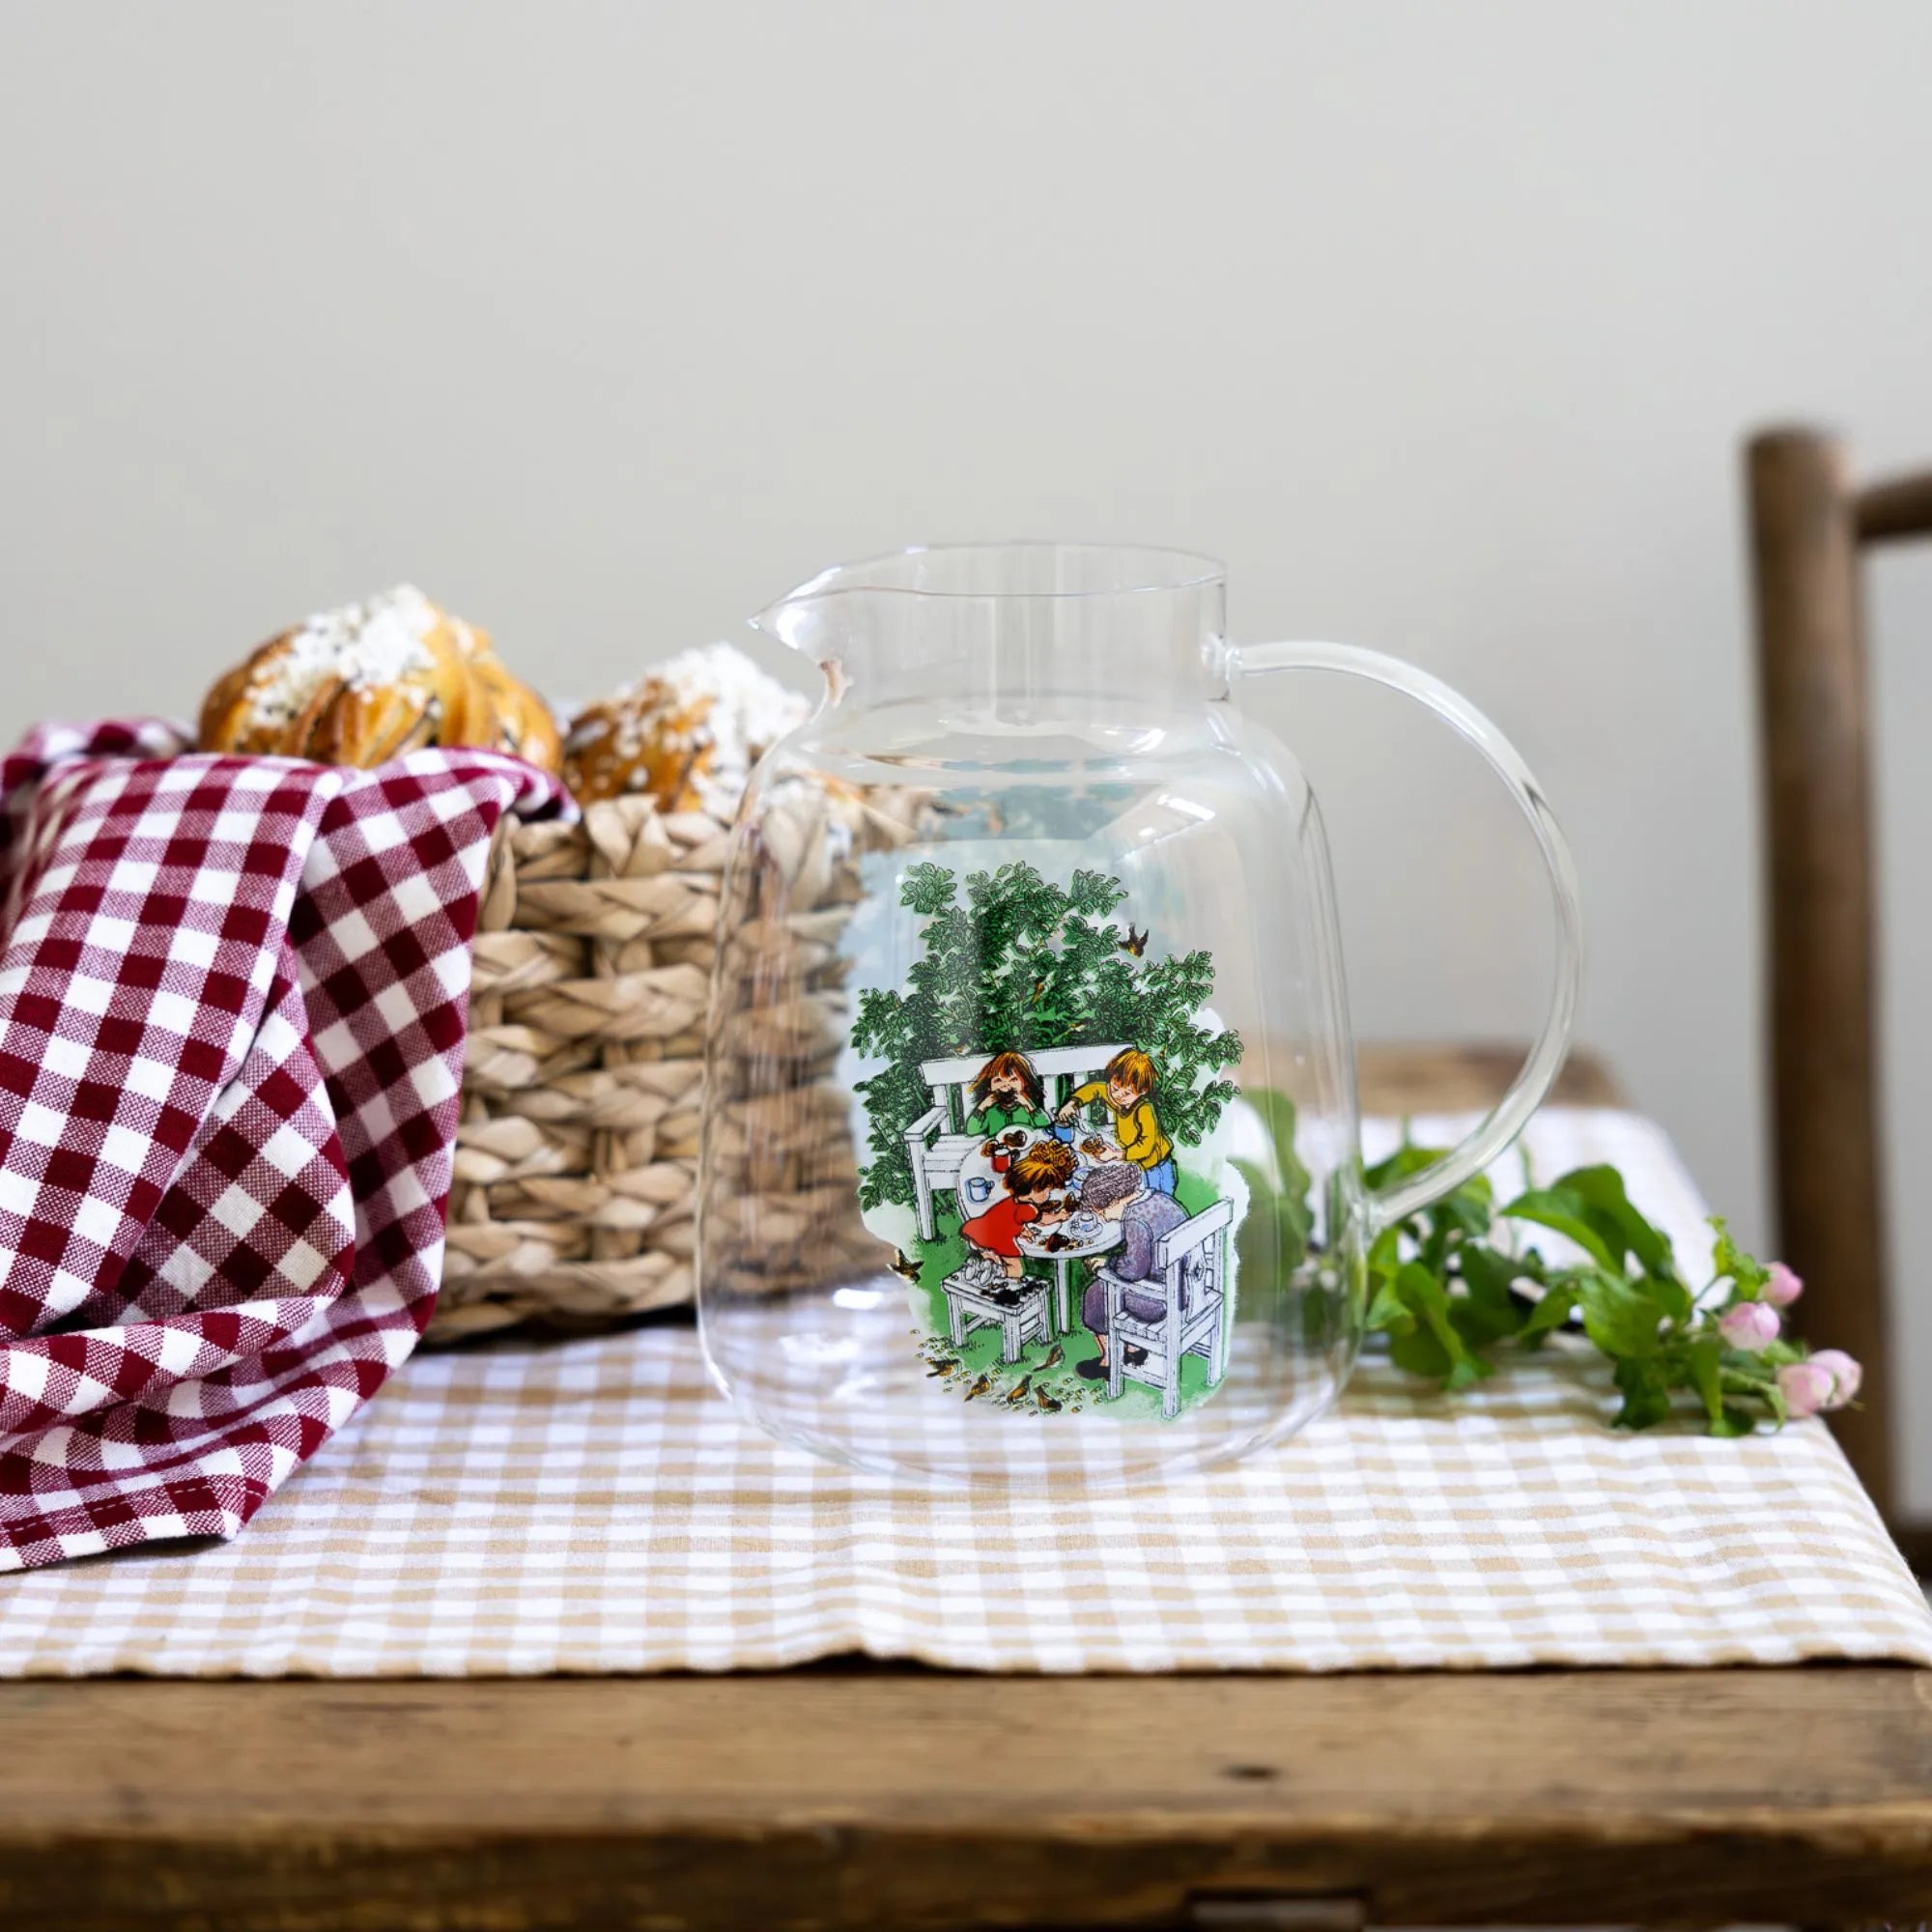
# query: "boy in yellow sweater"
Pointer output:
{"type": "Point", "coordinates": [1128, 1088]}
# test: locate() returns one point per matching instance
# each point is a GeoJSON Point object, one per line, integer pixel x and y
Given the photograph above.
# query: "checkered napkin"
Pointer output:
{"type": "Point", "coordinates": [232, 1001]}
{"type": "Point", "coordinates": [595, 1506]}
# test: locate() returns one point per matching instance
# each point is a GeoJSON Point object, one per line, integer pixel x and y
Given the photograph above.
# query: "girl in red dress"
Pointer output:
{"type": "Point", "coordinates": [1033, 1181]}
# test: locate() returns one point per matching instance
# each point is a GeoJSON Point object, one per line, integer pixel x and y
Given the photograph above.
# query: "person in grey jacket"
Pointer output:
{"type": "Point", "coordinates": [1118, 1192]}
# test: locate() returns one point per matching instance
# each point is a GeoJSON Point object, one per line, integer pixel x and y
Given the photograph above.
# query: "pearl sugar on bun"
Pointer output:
{"type": "Point", "coordinates": [367, 682]}
{"type": "Point", "coordinates": [688, 733]}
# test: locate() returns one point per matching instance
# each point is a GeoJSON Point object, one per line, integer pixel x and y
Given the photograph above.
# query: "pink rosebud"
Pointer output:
{"type": "Point", "coordinates": [1806, 1388]}
{"type": "Point", "coordinates": [1783, 1287]}
{"type": "Point", "coordinates": [1750, 1327]}
{"type": "Point", "coordinates": [1845, 1372]}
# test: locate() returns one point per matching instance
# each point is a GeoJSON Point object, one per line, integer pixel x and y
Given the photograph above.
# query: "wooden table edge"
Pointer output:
{"type": "Point", "coordinates": [1429, 1078]}
{"type": "Point", "coordinates": [835, 1798]}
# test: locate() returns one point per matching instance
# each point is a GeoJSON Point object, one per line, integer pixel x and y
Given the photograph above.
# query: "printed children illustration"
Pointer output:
{"type": "Point", "coordinates": [1127, 1088]}
{"type": "Point", "coordinates": [1037, 1184]}
{"type": "Point", "coordinates": [1051, 1264]}
{"type": "Point", "coordinates": [1008, 1093]}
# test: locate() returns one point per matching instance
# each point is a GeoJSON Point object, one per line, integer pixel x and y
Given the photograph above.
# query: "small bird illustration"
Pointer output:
{"type": "Point", "coordinates": [1050, 1403]}
{"type": "Point", "coordinates": [1018, 1392]}
{"type": "Point", "coordinates": [1055, 1355]}
{"type": "Point", "coordinates": [904, 1265]}
{"type": "Point", "coordinates": [1134, 944]}
{"type": "Point", "coordinates": [983, 1386]}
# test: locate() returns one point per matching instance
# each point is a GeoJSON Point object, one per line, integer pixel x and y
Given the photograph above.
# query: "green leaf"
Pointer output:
{"type": "Point", "coordinates": [1389, 1312]}
{"type": "Point", "coordinates": [1646, 1395]}
{"type": "Point", "coordinates": [1731, 1262]}
{"type": "Point", "coordinates": [1468, 1210]}
{"type": "Point", "coordinates": [1551, 1312]}
{"type": "Point", "coordinates": [1385, 1252]}
{"type": "Point", "coordinates": [1272, 1239]}
{"type": "Point", "coordinates": [1746, 1375]}
{"type": "Point", "coordinates": [1569, 1216]}
{"type": "Point", "coordinates": [927, 889]}
{"type": "Point", "coordinates": [1672, 1298]}
{"type": "Point", "coordinates": [1703, 1361]}
{"type": "Point", "coordinates": [1418, 1352]}
{"type": "Point", "coordinates": [1433, 1346]}
{"type": "Point", "coordinates": [1618, 1316]}
{"type": "Point", "coordinates": [1601, 1188]}
{"type": "Point", "coordinates": [1487, 1274]}
{"type": "Point", "coordinates": [1483, 1325]}
{"type": "Point", "coordinates": [1486, 1313]}
{"type": "Point", "coordinates": [1096, 895]}
{"type": "Point", "coordinates": [1735, 1421]}
{"type": "Point", "coordinates": [1406, 1162]}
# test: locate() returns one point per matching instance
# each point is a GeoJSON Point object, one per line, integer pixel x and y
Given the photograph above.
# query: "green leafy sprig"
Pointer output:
{"type": "Point", "coordinates": [1456, 1283]}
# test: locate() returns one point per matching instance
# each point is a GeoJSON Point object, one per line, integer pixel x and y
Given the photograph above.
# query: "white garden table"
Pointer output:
{"type": "Point", "coordinates": [1063, 1260]}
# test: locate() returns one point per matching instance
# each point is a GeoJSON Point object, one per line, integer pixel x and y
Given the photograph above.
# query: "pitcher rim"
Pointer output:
{"type": "Point", "coordinates": [1193, 570]}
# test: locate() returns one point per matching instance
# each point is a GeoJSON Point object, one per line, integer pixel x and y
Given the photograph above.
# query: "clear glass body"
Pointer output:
{"type": "Point", "coordinates": [1030, 1142]}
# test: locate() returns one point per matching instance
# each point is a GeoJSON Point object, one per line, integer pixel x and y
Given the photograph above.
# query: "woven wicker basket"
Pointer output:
{"type": "Point", "coordinates": [576, 1156]}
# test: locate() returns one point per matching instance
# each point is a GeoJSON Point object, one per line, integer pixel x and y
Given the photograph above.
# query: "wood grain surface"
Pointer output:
{"type": "Point", "coordinates": [878, 1799]}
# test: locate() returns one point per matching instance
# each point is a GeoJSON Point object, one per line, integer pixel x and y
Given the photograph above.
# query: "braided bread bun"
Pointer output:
{"type": "Point", "coordinates": [370, 681]}
{"type": "Point", "coordinates": [689, 733]}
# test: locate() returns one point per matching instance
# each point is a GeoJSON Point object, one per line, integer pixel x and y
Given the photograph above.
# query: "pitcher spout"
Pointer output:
{"type": "Point", "coordinates": [821, 620]}
{"type": "Point", "coordinates": [995, 625]}
{"type": "Point", "coordinates": [792, 620]}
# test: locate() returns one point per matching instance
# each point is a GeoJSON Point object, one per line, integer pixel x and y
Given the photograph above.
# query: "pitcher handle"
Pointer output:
{"type": "Point", "coordinates": [1507, 1119]}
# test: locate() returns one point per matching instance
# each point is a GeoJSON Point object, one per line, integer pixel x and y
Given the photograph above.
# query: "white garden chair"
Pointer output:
{"type": "Point", "coordinates": [1190, 1274]}
{"type": "Point", "coordinates": [937, 1143]}
{"type": "Point", "coordinates": [977, 1297]}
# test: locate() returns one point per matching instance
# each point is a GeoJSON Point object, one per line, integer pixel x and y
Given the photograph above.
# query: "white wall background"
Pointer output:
{"type": "Point", "coordinates": [606, 323]}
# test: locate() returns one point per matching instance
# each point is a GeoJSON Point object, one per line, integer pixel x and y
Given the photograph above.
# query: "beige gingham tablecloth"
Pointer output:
{"type": "Point", "coordinates": [592, 1506]}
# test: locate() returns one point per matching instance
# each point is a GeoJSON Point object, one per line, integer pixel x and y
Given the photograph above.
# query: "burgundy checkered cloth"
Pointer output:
{"type": "Point", "coordinates": [232, 1004]}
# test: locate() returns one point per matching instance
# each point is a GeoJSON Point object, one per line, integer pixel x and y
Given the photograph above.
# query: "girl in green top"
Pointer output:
{"type": "Point", "coordinates": [1008, 1093]}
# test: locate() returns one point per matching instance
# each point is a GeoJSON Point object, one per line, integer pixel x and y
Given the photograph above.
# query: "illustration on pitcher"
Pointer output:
{"type": "Point", "coordinates": [1040, 1134]}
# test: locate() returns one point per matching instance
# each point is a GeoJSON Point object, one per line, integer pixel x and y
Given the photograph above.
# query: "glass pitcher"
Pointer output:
{"type": "Point", "coordinates": [1030, 1141]}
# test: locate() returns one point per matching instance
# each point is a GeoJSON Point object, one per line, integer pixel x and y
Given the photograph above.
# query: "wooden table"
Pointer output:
{"type": "Point", "coordinates": [861, 1796]}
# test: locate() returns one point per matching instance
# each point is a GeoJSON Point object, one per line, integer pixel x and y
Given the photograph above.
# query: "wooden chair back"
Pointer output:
{"type": "Point", "coordinates": [1810, 523]}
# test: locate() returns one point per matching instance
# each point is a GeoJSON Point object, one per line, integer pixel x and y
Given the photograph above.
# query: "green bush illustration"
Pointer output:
{"type": "Point", "coordinates": [1028, 965]}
